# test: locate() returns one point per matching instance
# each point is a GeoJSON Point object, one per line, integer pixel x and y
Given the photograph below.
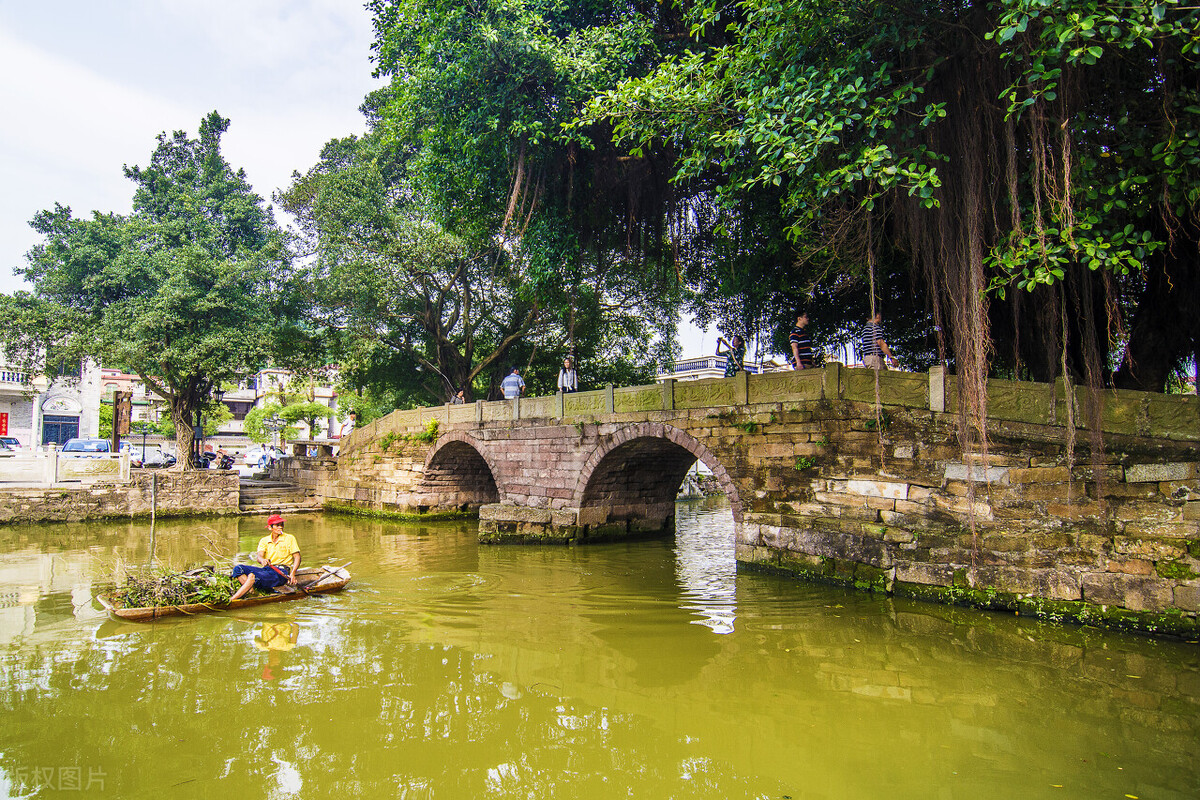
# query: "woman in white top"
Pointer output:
{"type": "Point", "coordinates": [568, 381]}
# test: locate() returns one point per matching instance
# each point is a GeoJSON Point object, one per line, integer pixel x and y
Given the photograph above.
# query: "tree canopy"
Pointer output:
{"type": "Point", "coordinates": [471, 230]}
{"type": "Point", "coordinates": [188, 290]}
{"type": "Point", "coordinates": [1034, 164]}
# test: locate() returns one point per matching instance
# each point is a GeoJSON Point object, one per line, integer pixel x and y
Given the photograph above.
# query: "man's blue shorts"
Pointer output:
{"type": "Point", "coordinates": [264, 577]}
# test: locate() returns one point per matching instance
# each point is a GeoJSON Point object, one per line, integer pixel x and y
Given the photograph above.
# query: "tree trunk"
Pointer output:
{"type": "Point", "coordinates": [1164, 325]}
{"type": "Point", "coordinates": [184, 418]}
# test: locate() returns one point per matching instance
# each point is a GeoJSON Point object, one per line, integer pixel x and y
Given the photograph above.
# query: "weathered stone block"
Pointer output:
{"type": "Point", "coordinates": [1128, 591]}
{"type": "Point", "coordinates": [512, 513]}
{"type": "Point", "coordinates": [1146, 473]}
{"type": "Point", "coordinates": [844, 546]}
{"type": "Point", "coordinates": [869, 488]}
{"type": "Point", "coordinates": [747, 534]}
{"type": "Point", "coordinates": [1049, 583]}
{"type": "Point", "coordinates": [895, 535]}
{"type": "Point", "coordinates": [920, 494]}
{"type": "Point", "coordinates": [593, 515]}
{"type": "Point", "coordinates": [980, 474]}
{"type": "Point", "coordinates": [1130, 566]}
{"type": "Point", "coordinates": [1119, 490]}
{"type": "Point", "coordinates": [956, 505]}
{"type": "Point", "coordinates": [1187, 597]}
{"type": "Point", "coordinates": [1085, 510]}
{"type": "Point", "coordinates": [1147, 512]}
{"type": "Point", "coordinates": [1164, 530]}
{"type": "Point", "coordinates": [1040, 475]}
{"type": "Point", "coordinates": [775, 537]}
{"type": "Point", "coordinates": [926, 574]}
{"type": "Point", "coordinates": [1150, 549]}
{"type": "Point", "coordinates": [564, 517]}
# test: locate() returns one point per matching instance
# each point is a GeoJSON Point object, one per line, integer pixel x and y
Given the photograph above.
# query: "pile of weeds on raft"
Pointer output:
{"type": "Point", "coordinates": [201, 585]}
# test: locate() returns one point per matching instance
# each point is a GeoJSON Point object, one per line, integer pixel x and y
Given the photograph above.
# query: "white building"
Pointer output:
{"type": "Point", "coordinates": [38, 411]}
{"type": "Point", "coordinates": [693, 369]}
{"type": "Point", "coordinates": [269, 386]}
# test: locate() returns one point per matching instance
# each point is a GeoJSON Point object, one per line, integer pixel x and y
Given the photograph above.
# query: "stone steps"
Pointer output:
{"type": "Point", "coordinates": [272, 497]}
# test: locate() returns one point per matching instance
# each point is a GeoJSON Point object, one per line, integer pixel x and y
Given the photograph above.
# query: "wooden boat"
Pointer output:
{"type": "Point", "coordinates": [310, 580]}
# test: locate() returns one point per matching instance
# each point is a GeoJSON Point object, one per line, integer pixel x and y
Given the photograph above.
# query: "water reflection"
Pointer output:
{"type": "Point", "coordinates": [275, 639]}
{"type": "Point", "coordinates": [447, 670]}
{"type": "Point", "coordinates": [705, 564]}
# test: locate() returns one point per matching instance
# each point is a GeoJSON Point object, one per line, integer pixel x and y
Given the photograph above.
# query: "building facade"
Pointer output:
{"type": "Point", "coordinates": [37, 411]}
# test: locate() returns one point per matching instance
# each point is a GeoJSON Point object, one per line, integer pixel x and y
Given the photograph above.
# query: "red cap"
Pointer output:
{"type": "Point", "coordinates": [274, 519]}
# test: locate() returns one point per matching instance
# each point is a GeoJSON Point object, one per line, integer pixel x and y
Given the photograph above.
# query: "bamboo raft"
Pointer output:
{"type": "Point", "coordinates": [310, 580]}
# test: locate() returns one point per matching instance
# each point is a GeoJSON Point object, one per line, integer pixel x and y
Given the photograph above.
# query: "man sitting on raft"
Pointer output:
{"type": "Point", "coordinates": [274, 552]}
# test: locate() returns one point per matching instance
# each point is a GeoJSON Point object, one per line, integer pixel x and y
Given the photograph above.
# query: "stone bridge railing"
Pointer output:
{"type": "Point", "coordinates": [1173, 417]}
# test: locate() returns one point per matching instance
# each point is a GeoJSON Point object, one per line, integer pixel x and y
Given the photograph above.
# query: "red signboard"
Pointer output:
{"type": "Point", "coordinates": [4, 424]}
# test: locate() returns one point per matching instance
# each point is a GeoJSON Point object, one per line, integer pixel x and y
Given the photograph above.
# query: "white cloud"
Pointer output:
{"type": "Point", "coordinates": [86, 87]}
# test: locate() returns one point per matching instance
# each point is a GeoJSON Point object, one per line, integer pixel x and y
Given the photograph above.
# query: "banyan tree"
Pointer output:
{"type": "Point", "coordinates": [1033, 165]}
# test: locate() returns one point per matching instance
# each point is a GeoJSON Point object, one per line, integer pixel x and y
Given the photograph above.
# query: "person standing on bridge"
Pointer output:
{"type": "Point", "coordinates": [348, 425]}
{"type": "Point", "coordinates": [513, 386]}
{"type": "Point", "coordinates": [801, 342]}
{"type": "Point", "coordinates": [874, 347]}
{"type": "Point", "coordinates": [734, 352]}
{"type": "Point", "coordinates": [568, 381]}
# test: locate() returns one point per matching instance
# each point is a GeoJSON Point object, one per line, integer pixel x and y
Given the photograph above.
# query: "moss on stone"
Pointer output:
{"type": "Point", "coordinates": [1175, 570]}
{"type": "Point", "coordinates": [871, 578]}
{"type": "Point", "coordinates": [383, 513]}
{"type": "Point", "coordinates": [1172, 622]}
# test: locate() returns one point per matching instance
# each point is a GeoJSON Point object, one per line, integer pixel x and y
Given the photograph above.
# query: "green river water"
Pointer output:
{"type": "Point", "coordinates": [641, 670]}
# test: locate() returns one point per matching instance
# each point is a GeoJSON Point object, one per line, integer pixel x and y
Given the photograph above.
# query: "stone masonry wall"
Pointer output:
{"type": "Point", "coordinates": [1116, 536]}
{"type": "Point", "coordinates": [170, 493]}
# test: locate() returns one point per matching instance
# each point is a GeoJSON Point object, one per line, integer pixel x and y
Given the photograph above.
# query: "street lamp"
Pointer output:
{"type": "Point", "coordinates": [274, 424]}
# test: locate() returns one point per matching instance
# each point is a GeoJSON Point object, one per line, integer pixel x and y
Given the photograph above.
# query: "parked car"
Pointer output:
{"type": "Point", "coordinates": [149, 457]}
{"type": "Point", "coordinates": [9, 443]}
{"type": "Point", "coordinates": [254, 455]}
{"type": "Point", "coordinates": [86, 448]}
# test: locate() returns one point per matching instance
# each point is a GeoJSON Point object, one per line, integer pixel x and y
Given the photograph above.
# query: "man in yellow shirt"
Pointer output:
{"type": "Point", "coordinates": [279, 555]}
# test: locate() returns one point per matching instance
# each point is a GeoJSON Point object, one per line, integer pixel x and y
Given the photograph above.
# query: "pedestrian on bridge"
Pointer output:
{"type": "Point", "coordinates": [734, 352]}
{"type": "Point", "coordinates": [568, 381]}
{"type": "Point", "coordinates": [801, 342]}
{"type": "Point", "coordinates": [513, 386]}
{"type": "Point", "coordinates": [873, 347]}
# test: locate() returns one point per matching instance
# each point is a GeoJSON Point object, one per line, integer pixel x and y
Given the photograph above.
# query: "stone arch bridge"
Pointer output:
{"type": "Point", "coordinates": [836, 474]}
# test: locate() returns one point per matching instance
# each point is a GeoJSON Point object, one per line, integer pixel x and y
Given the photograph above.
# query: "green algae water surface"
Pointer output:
{"type": "Point", "coordinates": [645, 670]}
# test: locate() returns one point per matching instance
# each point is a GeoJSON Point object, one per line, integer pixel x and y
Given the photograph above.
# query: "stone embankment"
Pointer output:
{"type": "Point", "coordinates": [165, 492]}
{"type": "Point", "coordinates": [1111, 537]}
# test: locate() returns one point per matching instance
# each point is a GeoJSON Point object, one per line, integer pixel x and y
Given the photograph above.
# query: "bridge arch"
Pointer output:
{"type": "Point", "coordinates": [641, 466]}
{"type": "Point", "coordinates": [458, 475]}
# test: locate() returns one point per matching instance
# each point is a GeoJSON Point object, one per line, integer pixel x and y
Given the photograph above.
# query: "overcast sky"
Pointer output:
{"type": "Point", "coordinates": [85, 86]}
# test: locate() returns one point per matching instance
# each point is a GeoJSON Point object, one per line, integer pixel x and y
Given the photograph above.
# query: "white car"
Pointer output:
{"type": "Point", "coordinates": [254, 455]}
{"type": "Point", "coordinates": [86, 448]}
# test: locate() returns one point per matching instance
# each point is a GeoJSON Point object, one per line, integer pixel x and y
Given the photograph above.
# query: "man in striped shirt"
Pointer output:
{"type": "Point", "coordinates": [801, 342]}
{"type": "Point", "coordinates": [874, 348]}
